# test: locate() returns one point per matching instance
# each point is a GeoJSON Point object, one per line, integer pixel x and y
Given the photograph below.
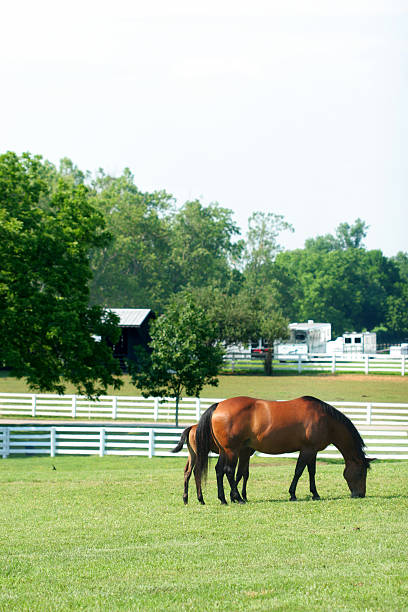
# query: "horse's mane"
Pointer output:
{"type": "Point", "coordinates": [341, 418]}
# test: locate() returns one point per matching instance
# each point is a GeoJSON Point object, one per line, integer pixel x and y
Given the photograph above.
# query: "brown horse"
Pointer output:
{"type": "Point", "coordinates": [305, 424]}
{"type": "Point", "coordinates": [189, 437]}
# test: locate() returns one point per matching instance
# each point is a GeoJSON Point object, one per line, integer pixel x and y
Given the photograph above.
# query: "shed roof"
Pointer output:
{"type": "Point", "coordinates": [131, 317]}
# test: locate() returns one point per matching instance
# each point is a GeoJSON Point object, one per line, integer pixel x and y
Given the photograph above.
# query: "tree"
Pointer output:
{"type": "Point", "coordinates": [185, 353]}
{"type": "Point", "coordinates": [243, 317]}
{"type": "Point", "coordinates": [262, 247]}
{"type": "Point", "coordinates": [347, 237]}
{"type": "Point", "coordinates": [134, 269]}
{"type": "Point", "coordinates": [203, 250]}
{"type": "Point", "coordinates": [48, 331]}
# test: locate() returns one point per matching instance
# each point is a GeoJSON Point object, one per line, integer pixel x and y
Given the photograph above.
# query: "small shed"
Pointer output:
{"type": "Point", "coordinates": [134, 323]}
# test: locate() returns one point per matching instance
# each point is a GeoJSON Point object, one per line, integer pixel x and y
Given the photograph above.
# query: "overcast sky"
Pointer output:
{"type": "Point", "coordinates": [297, 108]}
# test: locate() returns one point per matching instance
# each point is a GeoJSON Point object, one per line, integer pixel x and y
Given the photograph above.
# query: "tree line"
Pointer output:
{"type": "Point", "coordinates": [73, 244]}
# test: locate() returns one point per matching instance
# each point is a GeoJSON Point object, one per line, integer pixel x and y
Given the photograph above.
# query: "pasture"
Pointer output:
{"type": "Point", "coordinates": [112, 533]}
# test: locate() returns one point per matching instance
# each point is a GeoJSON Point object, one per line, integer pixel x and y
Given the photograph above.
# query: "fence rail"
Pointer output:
{"type": "Point", "coordinates": [317, 362]}
{"type": "Point", "coordinates": [150, 441]}
{"type": "Point", "coordinates": [157, 410]}
{"type": "Point", "coordinates": [113, 407]}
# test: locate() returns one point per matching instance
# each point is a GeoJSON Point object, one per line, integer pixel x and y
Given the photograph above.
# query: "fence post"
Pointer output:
{"type": "Point", "coordinates": [151, 443]}
{"type": "Point", "coordinates": [402, 365]}
{"type": "Point", "coordinates": [156, 409]}
{"type": "Point", "coordinates": [366, 364]}
{"type": "Point", "coordinates": [233, 363]}
{"type": "Point", "coordinates": [33, 405]}
{"type": "Point", "coordinates": [333, 365]}
{"type": "Point", "coordinates": [114, 407]}
{"type": "Point", "coordinates": [198, 409]}
{"type": "Point", "coordinates": [52, 441]}
{"type": "Point", "coordinates": [299, 368]}
{"type": "Point", "coordinates": [102, 440]}
{"type": "Point", "coordinates": [369, 410]}
{"type": "Point", "coordinates": [6, 442]}
{"type": "Point", "coordinates": [73, 402]}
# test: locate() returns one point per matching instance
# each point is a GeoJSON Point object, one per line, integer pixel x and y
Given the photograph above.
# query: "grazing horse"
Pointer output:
{"type": "Point", "coordinates": [189, 437]}
{"type": "Point", "coordinates": [305, 424]}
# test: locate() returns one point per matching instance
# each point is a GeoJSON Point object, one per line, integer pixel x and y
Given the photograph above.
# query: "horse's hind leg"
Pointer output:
{"type": "Point", "coordinates": [219, 470]}
{"type": "Point", "coordinates": [311, 466]}
{"type": "Point", "coordinates": [243, 471]}
{"type": "Point", "coordinates": [229, 469]}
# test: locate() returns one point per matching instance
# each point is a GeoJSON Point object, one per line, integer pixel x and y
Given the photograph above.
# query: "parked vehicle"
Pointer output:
{"type": "Point", "coordinates": [305, 338]}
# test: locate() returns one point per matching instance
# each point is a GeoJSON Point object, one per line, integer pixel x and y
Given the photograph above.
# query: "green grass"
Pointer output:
{"type": "Point", "coordinates": [112, 534]}
{"type": "Point", "coordinates": [335, 387]}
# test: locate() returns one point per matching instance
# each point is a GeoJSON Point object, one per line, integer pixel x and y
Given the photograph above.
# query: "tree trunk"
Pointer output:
{"type": "Point", "coordinates": [268, 357]}
{"type": "Point", "coordinates": [177, 408]}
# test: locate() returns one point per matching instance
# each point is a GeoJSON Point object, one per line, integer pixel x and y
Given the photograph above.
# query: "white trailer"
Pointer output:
{"type": "Point", "coordinates": [355, 343]}
{"type": "Point", "coordinates": [304, 339]}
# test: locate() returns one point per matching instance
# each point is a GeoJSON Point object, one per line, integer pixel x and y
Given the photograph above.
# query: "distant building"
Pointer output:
{"type": "Point", "coordinates": [134, 323]}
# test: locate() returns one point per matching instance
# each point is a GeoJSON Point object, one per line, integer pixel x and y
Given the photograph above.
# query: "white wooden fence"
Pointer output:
{"type": "Point", "coordinates": [116, 407]}
{"type": "Point", "coordinates": [151, 441]}
{"type": "Point", "coordinates": [155, 410]}
{"type": "Point", "coordinates": [384, 426]}
{"type": "Point", "coordinates": [365, 364]}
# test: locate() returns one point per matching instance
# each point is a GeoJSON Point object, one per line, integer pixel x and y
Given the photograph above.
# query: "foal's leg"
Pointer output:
{"type": "Point", "coordinates": [187, 474]}
{"type": "Point", "coordinates": [300, 466]}
{"type": "Point", "coordinates": [311, 466]}
{"type": "Point", "coordinates": [198, 487]}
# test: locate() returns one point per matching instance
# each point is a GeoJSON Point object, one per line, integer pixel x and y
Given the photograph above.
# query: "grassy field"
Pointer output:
{"type": "Point", "coordinates": [335, 387]}
{"type": "Point", "coordinates": [112, 534]}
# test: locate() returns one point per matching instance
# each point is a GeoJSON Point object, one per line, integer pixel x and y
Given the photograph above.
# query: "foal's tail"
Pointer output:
{"type": "Point", "coordinates": [203, 441]}
{"type": "Point", "coordinates": [183, 438]}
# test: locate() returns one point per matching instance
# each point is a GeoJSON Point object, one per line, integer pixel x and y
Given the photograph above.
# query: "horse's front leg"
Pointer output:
{"type": "Point", "coordinates": [300, 466]}
{"type": "Point", "coordinates": [311, 466]}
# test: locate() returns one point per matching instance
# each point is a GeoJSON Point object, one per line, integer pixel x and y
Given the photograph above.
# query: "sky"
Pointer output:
{"type": "Point", "coordinates": [293, 107]}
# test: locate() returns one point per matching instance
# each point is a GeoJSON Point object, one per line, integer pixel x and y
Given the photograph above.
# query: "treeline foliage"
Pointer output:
{"type": "Point", "coordinates": [158, 250]}
{"type": "Point", "coordinates": [117, 246]}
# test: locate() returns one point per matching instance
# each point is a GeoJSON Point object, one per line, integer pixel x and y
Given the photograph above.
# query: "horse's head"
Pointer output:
{"type": "Point", "coordinates": [355, 474]}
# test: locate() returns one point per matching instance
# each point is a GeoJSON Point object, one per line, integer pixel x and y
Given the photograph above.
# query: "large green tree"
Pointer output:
{"type": "Point", "coordinates": [134, 269]}
{"type": "Point", "coordinates": [203, 246]}
{"type": "Point", "coordinates": [49, 334]}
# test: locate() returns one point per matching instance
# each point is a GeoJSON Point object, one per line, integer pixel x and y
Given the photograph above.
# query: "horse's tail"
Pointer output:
{"type": "Point", "coordinates": [203, 441]}
{"type": "Point", "coordinates": [183, 438]}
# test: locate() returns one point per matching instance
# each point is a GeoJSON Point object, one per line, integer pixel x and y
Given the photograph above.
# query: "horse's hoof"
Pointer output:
{"type": "Point", "coordinates": [224, 503]}
{"type": "Point", "coordinates": [185, 501]}
{"type": "Point", "coordinates": [293, 498]}
{"type": "Point", "coordinates": [202, 502]}
{"type": "Point", "coordinates": [316, 497]}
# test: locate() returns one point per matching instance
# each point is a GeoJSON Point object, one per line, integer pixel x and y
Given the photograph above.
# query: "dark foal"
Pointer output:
{"type": "Point", "coordinates": [189, 437]}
